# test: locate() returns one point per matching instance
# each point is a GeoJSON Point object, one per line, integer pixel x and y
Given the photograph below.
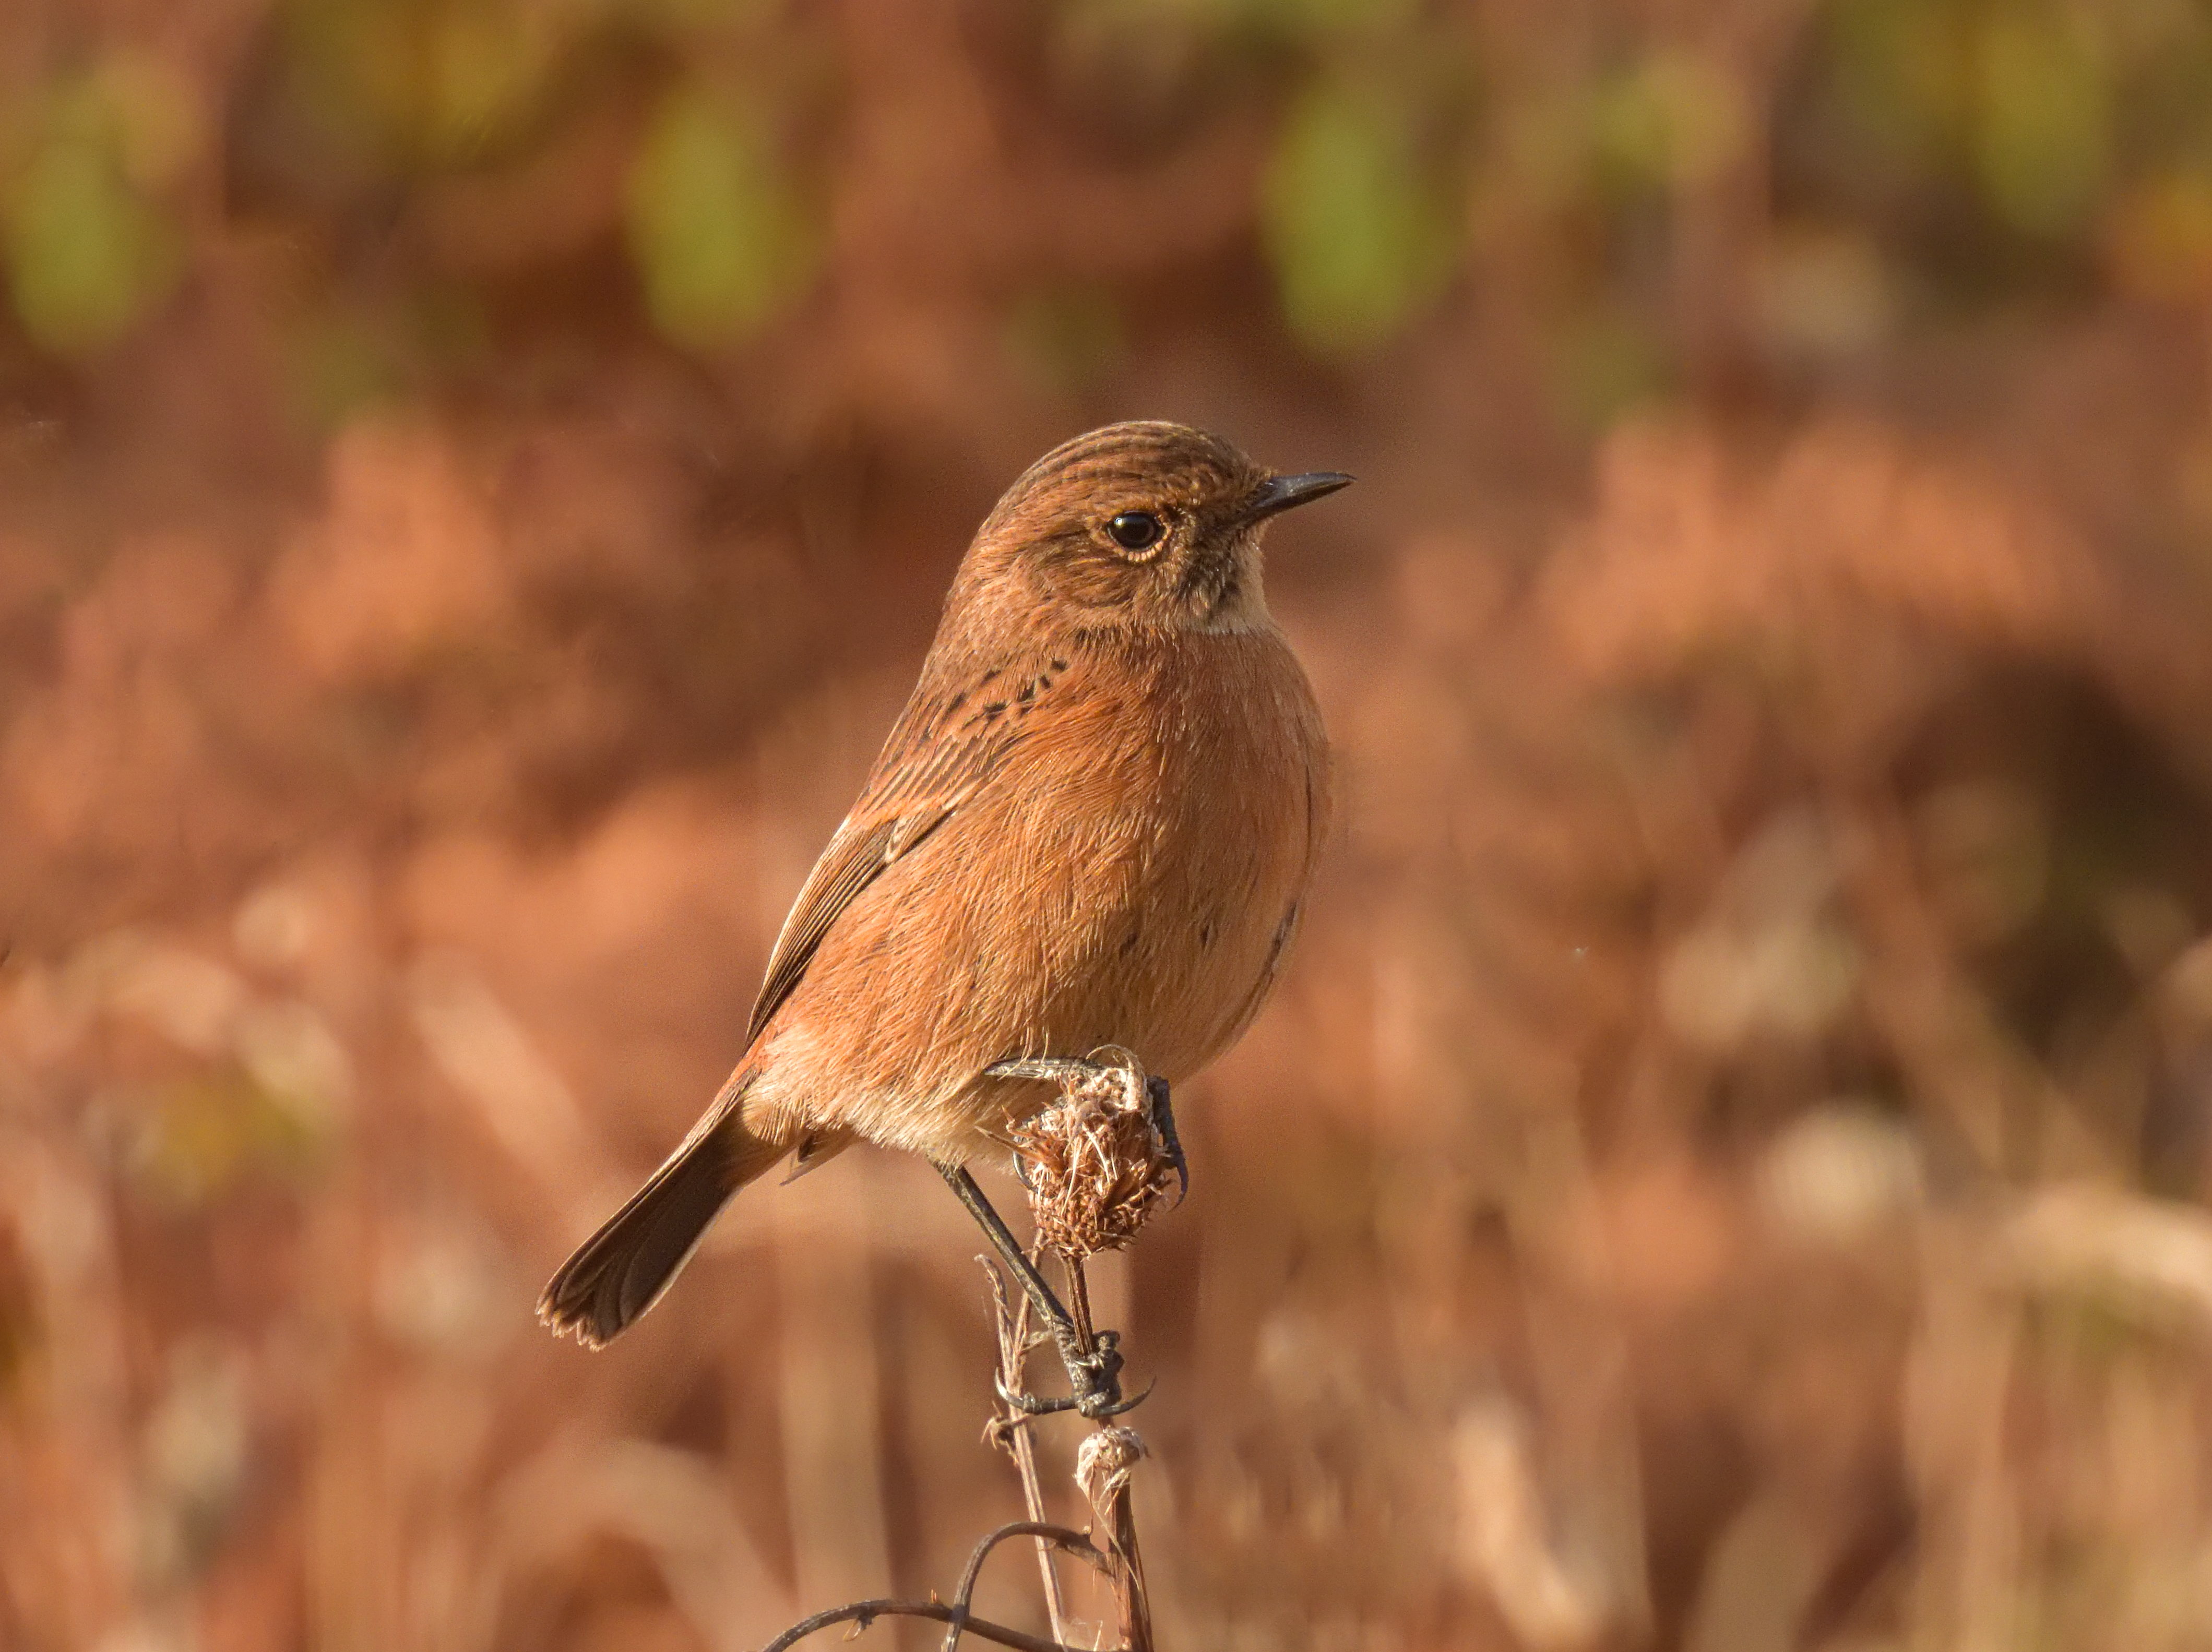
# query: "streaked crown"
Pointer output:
{"type": "Point", "coordinates": [1146, 524]}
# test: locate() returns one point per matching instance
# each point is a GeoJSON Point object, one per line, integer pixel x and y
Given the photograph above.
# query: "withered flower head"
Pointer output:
{"type": "Point", "coordinates": [1094, 1163]}
{"type": "Point", "coordinates": [1105, 1462]}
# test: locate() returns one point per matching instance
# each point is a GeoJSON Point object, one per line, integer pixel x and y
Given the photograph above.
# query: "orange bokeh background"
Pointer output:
{"type": "Point", "coordinates": [1727, 1167]}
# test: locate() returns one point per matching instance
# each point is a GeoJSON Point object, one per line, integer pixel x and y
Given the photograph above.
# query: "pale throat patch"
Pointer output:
{"type": "Point", "coordinates": [1246, 608]}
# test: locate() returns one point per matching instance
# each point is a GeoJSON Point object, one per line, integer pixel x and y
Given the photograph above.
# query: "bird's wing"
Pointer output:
{"type": "Point", "coordinates": [948, 743]}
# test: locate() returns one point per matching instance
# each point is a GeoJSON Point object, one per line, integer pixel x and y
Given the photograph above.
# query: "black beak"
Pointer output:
{"type": "Point", "coordinates": [1281, 493]}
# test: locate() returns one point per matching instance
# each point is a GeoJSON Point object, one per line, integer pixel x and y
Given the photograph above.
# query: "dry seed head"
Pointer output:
{"type": "Point", "coordinates": [1094, 1163]}
{"type": "Point", "coordinates": [1103, 1463]}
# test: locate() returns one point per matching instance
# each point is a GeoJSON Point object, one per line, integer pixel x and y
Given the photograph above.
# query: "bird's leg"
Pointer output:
{"type": "Point", "coordinates": [1094, 1375]}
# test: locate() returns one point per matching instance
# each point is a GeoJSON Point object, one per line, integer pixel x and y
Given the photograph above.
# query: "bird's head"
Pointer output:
{"type": "Point", "coordinates": [1140, 526]}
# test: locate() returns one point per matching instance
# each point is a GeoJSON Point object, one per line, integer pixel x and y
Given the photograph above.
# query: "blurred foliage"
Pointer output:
{"type": "Point", "coordinates": [1979, 150]}
{"type": "Point", "coordinates": [90, 247]}
{"type": "Point", "coordinates": [1605, 363]}
{"type": "Point", "coordinates": [422, 84]}
{"type": "Point", "coordinates": [1068, 337]}
{"type": "Point", "coordinates": [1667, 120]}
{"type": "Point", "coordinates": [1360, 239]}
{"type": "Point", "coordinates": [716, 228]}
{"type": "Point", "coordinates": [196, 1140]}
{"type": "Point", "coordinates": [1737, 1137]}
{"type": "Point", "coordinates": [2042, 124]}
{"type": "Point", "coordinates": [1953, 128]}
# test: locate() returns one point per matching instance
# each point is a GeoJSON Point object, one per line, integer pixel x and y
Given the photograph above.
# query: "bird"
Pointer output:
{"type": "Point", "coordinates": [1094, 824]}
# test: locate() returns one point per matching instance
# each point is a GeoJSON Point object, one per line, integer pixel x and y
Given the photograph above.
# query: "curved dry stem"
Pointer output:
{"type": "Point", "coordinates": [1061, 1537]}
{"type": "Point", "coordinates": [865, 1612]}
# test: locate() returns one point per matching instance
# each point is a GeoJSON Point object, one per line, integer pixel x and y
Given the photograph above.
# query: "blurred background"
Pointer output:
{"type": "Point", "coordinates": [1729, 1169]}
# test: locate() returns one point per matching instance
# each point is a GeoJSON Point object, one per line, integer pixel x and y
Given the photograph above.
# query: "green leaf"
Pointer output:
{"type": "Point", "coordinates": [484, 71]}
{"type": "Point", "coordinates": [1673, 119]}
{"type": "Point", "coordinates": [1361, 238]}
{"type": "Point", "coordinates": [718, 232]}
{"type": "Point", "coordinates": [88, 254]}
{"type": "Point", "coordinates": [2043, 129]}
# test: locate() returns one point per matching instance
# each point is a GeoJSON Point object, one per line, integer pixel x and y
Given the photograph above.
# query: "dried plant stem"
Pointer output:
{"type": "Point", "coordinates": [1103, 1468]}
{"type": "Point", "coordinates": [1130, 1594]}
{"type": "Point", "coordinates": [1048, 1538]}
{"type": "Point", "coordinates": [862, 1613]}
{"type": "Point", "coordinates": [1095, 1165]}
{"type": "Point", "coordinates": [956, 1613]}
{"type": "Point", "coordinates": [1010, 1429]}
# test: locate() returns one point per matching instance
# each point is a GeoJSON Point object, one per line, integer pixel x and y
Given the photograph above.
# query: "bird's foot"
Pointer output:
{"type": "Point", "coordinates": [1094, 1372]}
{"type": "Point", "coordinates": [1094, 1381]}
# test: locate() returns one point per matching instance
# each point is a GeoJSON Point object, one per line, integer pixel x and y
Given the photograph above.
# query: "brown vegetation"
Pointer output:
{"type": "Point", "coordinates": [1728, 1167]}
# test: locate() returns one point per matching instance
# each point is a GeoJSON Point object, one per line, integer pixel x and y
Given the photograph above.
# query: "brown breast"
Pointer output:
{"type": "Point", "coordinates": [1130, 875]}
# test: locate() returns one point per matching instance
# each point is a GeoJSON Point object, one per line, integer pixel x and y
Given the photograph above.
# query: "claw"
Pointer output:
{"type": "Point", "coordinates": [1121, 1406]}
{"type": "Point", "coordinates": [1030, 1404]}
{"type": "Point", "coordinates": [1163, 1116]}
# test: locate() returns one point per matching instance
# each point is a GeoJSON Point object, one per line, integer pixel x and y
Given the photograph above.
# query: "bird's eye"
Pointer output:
{"type": "Point", "coordinates": [1135, 530]}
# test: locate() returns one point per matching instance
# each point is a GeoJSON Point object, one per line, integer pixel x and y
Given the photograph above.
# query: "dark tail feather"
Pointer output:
{"type": "Point", "coordinates": [621, 1271]}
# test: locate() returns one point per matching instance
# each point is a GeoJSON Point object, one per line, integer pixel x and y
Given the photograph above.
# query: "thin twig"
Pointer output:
{"type": "Point", "coordinates": [865, 1612]}
{"type": "Point", "coordinates": [1058, 1537]}
{"type": "Point", "coordinates": [1103, 1468]}
{"type": "Point", "coordinates": [1109, 1457]}
{"type": "Point", "coordinates": [1047, 1535]}
{"type": "Point", "coordinates": [1011, 1430]}
{"type": "Point", "coordinates": [1105, 1465]}
{"type": "Point", "coordinates": [1110, 1500]}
